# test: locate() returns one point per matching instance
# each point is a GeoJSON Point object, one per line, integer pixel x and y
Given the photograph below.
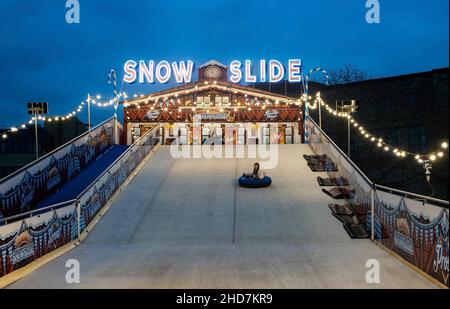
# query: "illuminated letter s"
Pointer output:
{"type": "Point", "coordinates": [236, 74]}
{"type": "Point", "coordinates": [130, 71]}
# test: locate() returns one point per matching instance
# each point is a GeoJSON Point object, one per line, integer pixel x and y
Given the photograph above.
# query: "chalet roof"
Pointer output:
{"type": "Point", "coordinates": [212, 62]}
{"type": "Point", "coordinates": [218, 85]}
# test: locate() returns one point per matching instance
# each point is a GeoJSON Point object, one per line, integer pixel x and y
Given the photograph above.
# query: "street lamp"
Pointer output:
{"type": "Point", "coordinates": [349, 107]}
{"type": "Point", "coordinates": [89, 98]}
{"type": "Point", "coordinates": [35, 109]}
{"type": "Point", "coordinates": [319, 101]}
{"type": "Point", "coordinates": [306, 87]}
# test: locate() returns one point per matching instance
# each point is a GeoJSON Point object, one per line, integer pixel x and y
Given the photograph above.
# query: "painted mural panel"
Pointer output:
{"type": "Point", "coordinates": [24, 241]}
{"type": "Point", "coordinates": [24, 191]}
{"type": "Point", "coordinates": [417, 232]}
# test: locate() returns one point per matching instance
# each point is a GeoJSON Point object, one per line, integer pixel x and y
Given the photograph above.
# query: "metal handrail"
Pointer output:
{"type": "Point", "coordinates": [361, 173]}
{"type": "Point", "coordinates": [52, 152]}
{"type": "Point", "coordinates": [117, 160]}
{"type": "Point", "coordinates": [65, 203]}
{"type": "Point", "coordinates": [31, 212]}
{"type": "Point", "coordinates": [415, 196]}
{"type": "Point", "coordinates": [439, 202]}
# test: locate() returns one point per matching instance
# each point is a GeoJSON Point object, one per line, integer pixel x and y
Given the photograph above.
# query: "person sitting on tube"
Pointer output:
{"type": "Point", "coordinates": [256, 174]}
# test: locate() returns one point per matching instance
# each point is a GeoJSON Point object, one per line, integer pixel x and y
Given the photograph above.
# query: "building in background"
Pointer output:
{"type": "Point", "coordinates": [64, 131]}
{"type": "Point", "coordinates": [410, 111]}
{"type": "Point", "coordinates": [18, 150]}
{"type": "Point", "coordinates": [212, 109]}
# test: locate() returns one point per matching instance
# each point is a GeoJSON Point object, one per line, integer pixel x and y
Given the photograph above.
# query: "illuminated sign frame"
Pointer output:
{"type": "Point", "coordinates": [150, 72]}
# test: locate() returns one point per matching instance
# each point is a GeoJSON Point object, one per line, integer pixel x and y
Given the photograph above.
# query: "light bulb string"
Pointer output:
{"type": "Point", "coordinates": [78, 109]}
{"type": "Point", "coordinates": [368, 135]}
{"type": "Point", "coordinates": [165, 99]}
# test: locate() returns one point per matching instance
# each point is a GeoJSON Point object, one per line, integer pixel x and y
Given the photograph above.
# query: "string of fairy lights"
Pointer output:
{"type": "Point", "coordinates": [94, 100]}
{"type": "Point", "coordinates": [163, 101]}
{"type": "Point", "coordinates": [379, 142]}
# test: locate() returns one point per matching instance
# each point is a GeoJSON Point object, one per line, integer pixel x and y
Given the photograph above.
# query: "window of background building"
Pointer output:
{"type": "Point", "coordinates": [417, 139]}
{"type": "Point", "coordinates": [386, 105]}
{"type": "Point", "coordinates": [413, 99]}
{"type": "Point", "coordinates": [355, 146]}
{"type": "Point", "coordinates": [392, 136]}
{"type": "Point", "coordinates": [9, 147]}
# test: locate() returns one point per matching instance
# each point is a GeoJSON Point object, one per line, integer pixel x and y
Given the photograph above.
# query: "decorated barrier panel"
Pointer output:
{"type": "Point", "coordinates": [414, 227]}
{"type": "Point", "coordinates": [27, 187]}
{"type": "Point", "coordinates": [24, 241]}
{"type": "Point", "coordinates": [96, 195]}
{"type": "Point", "coordinates": [21, 242]}
{"type": "Point", "coordinates": [415, 230]}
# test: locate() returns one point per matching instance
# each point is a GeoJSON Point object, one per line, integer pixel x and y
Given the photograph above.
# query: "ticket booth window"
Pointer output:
{"type": "Point", "coordinates": [266, 135]}
{"type": "Point", "coordinates": [289, 135]}
{"type": "Point", "coordinates": [136, 134]}
{"type": "Point", "coordinates": [230, 138]}
{"type": "Point", "coordinates": [218, 136]}
{"type": "Point", "coordinates": [281, 136]}
{"type": "Point", "coordinates": [183, 136]}
{"type": "Point", "coordinates": [196, 135]}
{"type": "Point", "coordinates": [241, 135]}
{"type": "Point", "coordinates": [252, 138]}
{"type": "Point", "coordinates": [206, 131]}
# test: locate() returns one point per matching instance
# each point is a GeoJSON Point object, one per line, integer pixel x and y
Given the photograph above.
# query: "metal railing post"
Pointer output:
{"type": "Point", "coordinates": [116, 130]}
{"type": "Point", "coordinates": [320, 114]}
{"type": "Point", "coordinates": [36, 138]}
{"type": "Point", "coordinates": [78, 218]}
{"type": "Point", "coordinates": [349, 131]}
{"type": "Point", "coordinates": [372, 211]}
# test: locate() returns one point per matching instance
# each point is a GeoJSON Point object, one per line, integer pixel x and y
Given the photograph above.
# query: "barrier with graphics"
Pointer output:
{"type": "Point", "coordinates": [415, 230]}
{"type": "Point", "coordinates": [96, 195]}
{"type": "Point", "coordinates": [24, 241]}
{"type": "Point", "coordinates": [21, 242]}
{"type": "Point", "coordinates": [414, 227]}
{"type": "Point", "coordinates": [26, 188]}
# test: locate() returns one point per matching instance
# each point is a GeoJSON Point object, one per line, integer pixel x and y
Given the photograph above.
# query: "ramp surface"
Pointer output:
{"type": "Point", "coordinates": [185, 224]}
{"type": "Point", "coordinates": [78, 184]}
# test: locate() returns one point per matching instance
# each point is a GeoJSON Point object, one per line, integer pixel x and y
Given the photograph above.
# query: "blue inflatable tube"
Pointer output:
{"type": "Point", "coordinates": [254, 183]}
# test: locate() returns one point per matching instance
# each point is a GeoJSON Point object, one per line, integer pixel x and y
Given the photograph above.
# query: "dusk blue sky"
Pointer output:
{"type": "Point", "coordinates": [45, 59]}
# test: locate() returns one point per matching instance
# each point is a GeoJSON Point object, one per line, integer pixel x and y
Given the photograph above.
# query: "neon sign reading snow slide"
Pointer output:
{"type": "Point", "coordinates": [182, 71]}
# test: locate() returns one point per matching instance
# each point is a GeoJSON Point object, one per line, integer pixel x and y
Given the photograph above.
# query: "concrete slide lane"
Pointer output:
{"type": "Point", "coordinates": [185, 224]}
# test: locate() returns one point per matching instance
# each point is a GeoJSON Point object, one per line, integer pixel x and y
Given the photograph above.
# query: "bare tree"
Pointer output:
{"type": "Point", "coordinates": [348, 74]}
